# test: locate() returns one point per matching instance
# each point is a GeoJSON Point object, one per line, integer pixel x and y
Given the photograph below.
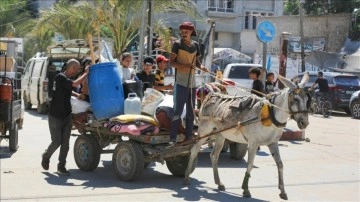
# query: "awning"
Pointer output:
{"type": "Point", "coordinates": [325, 60]}
{"type": "Point", "coordinates": [229, 53]}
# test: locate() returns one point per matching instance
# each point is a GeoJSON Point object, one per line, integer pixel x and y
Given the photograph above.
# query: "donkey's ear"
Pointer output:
{"type": "Point", "coordinates": [287, 83]}
{"type": "Point", "coordinates": [304, 80]}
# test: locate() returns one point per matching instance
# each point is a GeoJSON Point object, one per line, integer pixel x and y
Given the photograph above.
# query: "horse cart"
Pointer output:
{"type": "Point", "coordinates": [133, 154]}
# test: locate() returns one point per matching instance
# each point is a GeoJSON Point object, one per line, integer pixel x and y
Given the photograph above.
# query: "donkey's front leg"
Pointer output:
{"type": "Point", "coordinates": [274, 150]}
{"type": "Point", "coordinates": [251, 156]}
{"type": "Point", "coordinates": [194, 152]}
{"type": "Point", "coordinates": [219, 143]}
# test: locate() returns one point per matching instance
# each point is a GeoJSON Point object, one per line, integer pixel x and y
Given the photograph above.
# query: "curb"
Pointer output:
{"type": "Point", "coordinates": [292, 135]}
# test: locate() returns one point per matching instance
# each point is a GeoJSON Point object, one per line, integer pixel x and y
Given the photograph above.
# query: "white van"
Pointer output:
{"type": "Point", "coordinates": [40, 71]}
{"type": "Point", "coordinates": [239, 73]}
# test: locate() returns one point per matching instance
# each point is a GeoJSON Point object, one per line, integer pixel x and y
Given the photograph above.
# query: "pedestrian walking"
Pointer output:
{"type": "Point", "coordinates": [60, 122]}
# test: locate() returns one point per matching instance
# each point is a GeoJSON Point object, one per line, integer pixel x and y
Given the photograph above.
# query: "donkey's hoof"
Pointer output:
{"type": "Point", "coordinates": [283, 196]}
{"type": "Point", "coordinates": [187, 182]}
{"type": "Point", "coordinates": [221, 187]}
{"type": "Point", "coordinates": [246, 194]}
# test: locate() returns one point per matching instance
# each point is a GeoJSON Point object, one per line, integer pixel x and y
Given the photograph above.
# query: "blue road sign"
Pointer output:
{"type": "Point", "coordinates": [265, 31]}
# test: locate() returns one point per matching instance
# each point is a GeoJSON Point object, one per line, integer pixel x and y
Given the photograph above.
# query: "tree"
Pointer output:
{"type": "Point", "coordinates": [118, 19]}
{"type": "Point", "coordinates": [320, 7]}
{"type": "Point", "coordinates": [12, 14]}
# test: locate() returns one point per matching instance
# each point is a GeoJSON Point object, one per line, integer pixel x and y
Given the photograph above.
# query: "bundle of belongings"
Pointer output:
{"type": "Point", "coordinates": [134, 124]}
{"type": "Point", "coordinates": [157, 111]}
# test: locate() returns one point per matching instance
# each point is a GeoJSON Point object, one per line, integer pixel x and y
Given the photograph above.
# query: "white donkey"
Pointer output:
{"type": "Point", "coordinates": [219, 112]}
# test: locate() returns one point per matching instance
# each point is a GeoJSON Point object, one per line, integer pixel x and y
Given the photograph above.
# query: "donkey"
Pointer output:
{"type": "Point", "coordinates": [219, 112]}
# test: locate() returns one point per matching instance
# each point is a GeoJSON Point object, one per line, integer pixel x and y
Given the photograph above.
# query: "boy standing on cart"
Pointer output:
{"type": "Point", "coordinates": [184, 58]}
{"type": "Point", "coordinates": [60, 122]}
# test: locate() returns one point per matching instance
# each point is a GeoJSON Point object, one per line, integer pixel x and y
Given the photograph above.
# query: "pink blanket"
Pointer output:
{"type": "Point", "coordinates": [133, 128]}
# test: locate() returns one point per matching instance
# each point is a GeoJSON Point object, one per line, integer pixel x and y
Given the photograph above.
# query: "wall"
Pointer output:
{"type": "Point", "coordinates": [333, 27]}
{"type": "Point", "coordinates": [248, 41]}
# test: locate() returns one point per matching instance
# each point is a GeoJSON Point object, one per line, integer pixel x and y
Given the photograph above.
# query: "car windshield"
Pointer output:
{"type": "Point", "coordinates": [239, 72]}
{"type": "Point", "coordinates": [347, 81]}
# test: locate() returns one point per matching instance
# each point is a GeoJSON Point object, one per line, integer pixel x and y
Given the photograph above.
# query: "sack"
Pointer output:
{"type": "Point", "coordinates": [151, 100]}
{"type": "Point", "coordinates": [134, 118]}
{"type": "Point", "coordinates": [78, 106]}
{"type": "Point", "coordinates": [168, 101]}
{"type": "Point", "coordinates": [164, 115]}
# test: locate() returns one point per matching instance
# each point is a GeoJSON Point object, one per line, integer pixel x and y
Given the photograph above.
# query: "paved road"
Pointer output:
{"type": "Point", "coordinates": [324, 169]}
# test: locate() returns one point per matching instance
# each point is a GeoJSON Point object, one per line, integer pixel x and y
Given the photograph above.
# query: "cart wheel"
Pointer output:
{"type": "Point", "coordinates": [225, 147]}
{"type": "Point", "coordinates": [238, 150]}
{"type": "Point", "coordinates": [146, 165]}
{"type": "Point", "coordinates": [42, 108]}
{"type": "Point", "coordinates": [128, 160]}
{"type": "Point", "coordinates": [13, 137]}
{"type": "Point", "coordinates": [178, 165]}
{"type": "Point", "coordinates": [87, 152]}
{"type": "Point", "coordinates": [27, 104]}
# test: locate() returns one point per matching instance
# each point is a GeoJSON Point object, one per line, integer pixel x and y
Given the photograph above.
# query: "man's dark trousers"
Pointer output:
{"type": "Point", "coordinates": [182, 96]}
{"type": "Point", "coordinates": [60, 130]}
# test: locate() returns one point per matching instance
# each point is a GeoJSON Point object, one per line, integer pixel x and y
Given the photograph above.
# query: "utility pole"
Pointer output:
{"type": "Point", "coordinates": [302, 54]}
{"type": "Point", "coordinates": [209, 58]}
{"type": "Point", "coordinates": [150, 28]}
{"type": "Point", "coordinates": [141, 35]}
{"type": "Point", "coordinates": [283, 56]}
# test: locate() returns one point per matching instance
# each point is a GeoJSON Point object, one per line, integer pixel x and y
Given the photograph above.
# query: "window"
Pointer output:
{"type": "Point", "coordinates": [226, 6]}
{"type": "Point", "coordinates": [216, 36]}
{"type": "Point", "coordinates": [239, 72]}
{"type": "Point", "coordinates": [246, 22]}
{"type": "Point", "coordinates": [254, 22]}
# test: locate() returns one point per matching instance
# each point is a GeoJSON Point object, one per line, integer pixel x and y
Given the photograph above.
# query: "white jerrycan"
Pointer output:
{"type": "Point", "coordinates": [132, 104]}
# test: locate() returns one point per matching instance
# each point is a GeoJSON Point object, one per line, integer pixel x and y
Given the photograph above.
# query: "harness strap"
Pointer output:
{"type": "Point", "coordinates": [273, 118]}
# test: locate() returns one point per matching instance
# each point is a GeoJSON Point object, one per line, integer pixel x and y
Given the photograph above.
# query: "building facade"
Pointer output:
{"type": "Point", "coordinates": [235, 20]}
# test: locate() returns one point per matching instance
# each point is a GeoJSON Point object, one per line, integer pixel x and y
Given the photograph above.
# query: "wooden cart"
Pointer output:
{"type": "Point", "coordinates": [132, 153]}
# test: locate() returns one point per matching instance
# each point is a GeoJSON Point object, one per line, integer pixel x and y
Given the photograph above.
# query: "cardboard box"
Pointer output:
{"type": "Point", "coordinates": [9, 62]}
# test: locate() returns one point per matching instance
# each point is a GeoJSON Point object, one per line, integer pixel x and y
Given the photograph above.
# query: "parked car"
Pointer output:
{"type": "Point", "coordinates": [238, 73]}
{"type": "Point", "coordinates": [354, 105]}
{"type": "Point", "coordinates": [341, 87]}
{"type": "Point", "coordinates": [40, 71]}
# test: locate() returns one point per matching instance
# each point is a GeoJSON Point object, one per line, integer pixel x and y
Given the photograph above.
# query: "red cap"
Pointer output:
{"type": "Point", "coordinates": [161, 58]}
{"type": "Point", "coordinates": [188, 26]}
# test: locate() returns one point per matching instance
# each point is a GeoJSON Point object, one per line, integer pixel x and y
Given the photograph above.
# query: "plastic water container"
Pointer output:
{"type": "Point", "coordinates": [105, 90]}
{"type": "Point", "coordinates": [132, 104]}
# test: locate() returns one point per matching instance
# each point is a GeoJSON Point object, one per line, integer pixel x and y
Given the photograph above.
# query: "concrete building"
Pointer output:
{"type": "Point", "coordinates": [235, 20]}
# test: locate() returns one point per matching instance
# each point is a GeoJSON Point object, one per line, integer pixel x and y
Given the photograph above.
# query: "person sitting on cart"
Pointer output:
{"type": "Point", "coordinates": [60, 120]}
{"type": "Point", "coordinates": [128, 73]}
{"type": "Point", "coordinates": [162, 63]}
{"type": "Point", "coordinates": [323, 86]}
{"type": "Point", "coordinates": [145, 75]}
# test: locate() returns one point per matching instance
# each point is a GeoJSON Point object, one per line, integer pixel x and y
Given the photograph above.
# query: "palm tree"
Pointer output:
{"type": "Point", "coordinates": [118, 19]}
{"type": "Point", "coordinates": [12, 14]}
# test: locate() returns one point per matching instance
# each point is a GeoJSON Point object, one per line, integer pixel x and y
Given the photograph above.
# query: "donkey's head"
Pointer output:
{"type": "Point", "coordinates": [298, 100]}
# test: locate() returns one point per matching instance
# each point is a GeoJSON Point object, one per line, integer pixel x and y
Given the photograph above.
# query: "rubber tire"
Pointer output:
{"type": "Point", "coordinates": [146, 165]}
{"type": "Point", "coordinates": [89, 146]}
{"type": "Point", "coordinates": [347, 111]}
{"type": "Point", "coordinates": [42, 108]}
{"type": "Point", "coordinates": [27, 105]}
{"type": "Point", "coordinates": [226, 146]}
{"type": "Point", "coordinates": [355, 106]}
{"type": "Point", "coordinates": [128, 161]}
{"type": "Point", "coordinates": [326, 109]}
{"type": "Point", "coordinates": [13, 137]}
{"type": "Point", "coordinates": [178, 165]}
{"type": "Point", "coordinates": [238, 150]}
